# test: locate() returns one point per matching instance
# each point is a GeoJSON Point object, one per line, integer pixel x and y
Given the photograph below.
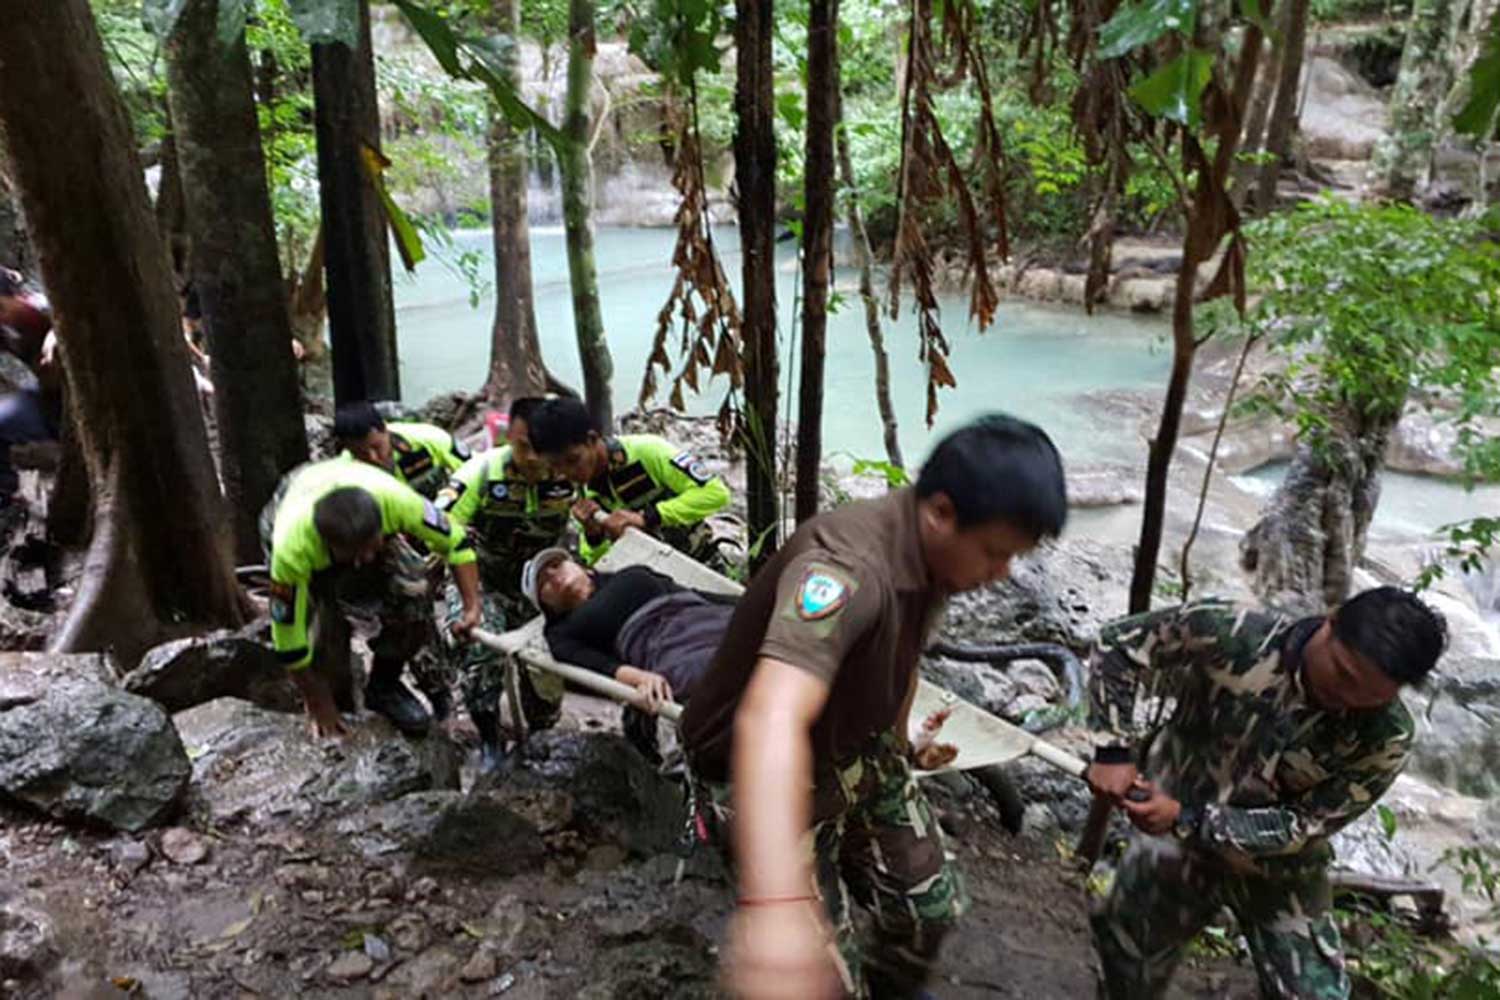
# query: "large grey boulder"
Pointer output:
{"type": "Point", "coordinates": [260, 766]}
{"type": "Point", "coordinates": [449, 829]}
{"type": "Point", "coordinates": [79, 749]}
{"type": "Point", "coordinates": [223, 664]}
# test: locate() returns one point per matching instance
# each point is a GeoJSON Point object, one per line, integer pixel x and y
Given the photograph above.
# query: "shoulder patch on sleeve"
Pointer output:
{"type": "Point", "coordinates": [822, 593]}
{"type": "Point", "coordinates": [694, 467]}
{"type": "Point", "coordinates": [434, 518]}
{"type": "Point", "coordinates": [283, 602]}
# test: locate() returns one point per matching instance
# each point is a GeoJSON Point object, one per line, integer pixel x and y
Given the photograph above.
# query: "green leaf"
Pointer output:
{"type": "Point", "coordinates": [1143, 23]}
{"type": "Point", "coordinates": [483, 60]}
{"type": "Point", "coordinates": [408, 243]}
{"type": "Point", "coordinates": [326, 21]}
{"type": "Point", "coordinates": [1175, 92]}
{"type": "Point", "coordinates": [1387, 820]}
{"type": "Point", "coordinates": [1477, 116]}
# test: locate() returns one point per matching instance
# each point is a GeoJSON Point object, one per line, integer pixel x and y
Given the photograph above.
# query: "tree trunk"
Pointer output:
{"type": "Point", "coordinates": [1426, 66]}
{"type": "Point", "coordinates": [866, 260]}
{"type": "Point", "coordinates": [361, 315]}
{"type": "Point", "coordinates": [69, 515]}
{"type": "Point", "coordinates": [1302, 553]}
{"type": "Point", "coordinates": [817, 246]}
{"type": "Point", "coordinates": [161, 546]}
{"type": "Point", "coordinates": [16, 250]}
{"type": "Point", "coordinates": [755, 185]}
{"type": "Point", "coordinates": [578, 210]}
{"type": "Point", "coordinates": [1283, 121]}
{"type": "Point", "coordinates": [515, 353]}
{"type": "Point", "coordinates": [170, 209]}
{"type": "Point", "coordinates": [1253, 135]}
{"type": "Point", "coordinates": [234, 267]}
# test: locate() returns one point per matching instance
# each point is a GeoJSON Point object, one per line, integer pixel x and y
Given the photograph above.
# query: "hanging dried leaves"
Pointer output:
{"type": "Point", "coordinates": [929, 171]}
{"type": "Point", "coordinates": [701, 308]}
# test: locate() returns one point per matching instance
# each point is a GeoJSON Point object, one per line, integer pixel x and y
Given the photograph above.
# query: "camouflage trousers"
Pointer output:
{"type": "Point", "coordinates": [479, 671]}
{"type": "Point", "coordinates": [1164, 895]}
{"type": "Point", "coordinates": [876, 842]}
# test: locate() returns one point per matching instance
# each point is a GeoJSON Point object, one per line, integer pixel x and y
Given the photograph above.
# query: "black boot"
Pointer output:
{"type": "Point", "coordinates": [492, 759]}
{"type": "Point", "coordinates": [386, 695]}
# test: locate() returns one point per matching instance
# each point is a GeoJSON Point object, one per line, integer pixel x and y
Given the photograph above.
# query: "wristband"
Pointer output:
{"type": "Point", "coordinates": [774, 900]}
{"type": "Point", "coordinates": [1113, 755]}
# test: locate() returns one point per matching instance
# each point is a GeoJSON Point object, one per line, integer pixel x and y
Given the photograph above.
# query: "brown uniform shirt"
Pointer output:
{"type": "Point", "coordinates": [849, 600]}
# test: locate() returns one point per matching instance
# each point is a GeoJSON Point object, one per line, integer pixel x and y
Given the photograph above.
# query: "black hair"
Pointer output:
{"type": "Point", "coordinates": [1393, 629]}
{"type": "Point", "coordinates": [560, 423]}
{"type": "Point", "coordinates": [346, 518]}
{"type": "Point", "coordinates": [525, 407]}
{"type": "Point", "coordinates": [353, 421]}
{"type": "Point", "coordinates": [998, 468]}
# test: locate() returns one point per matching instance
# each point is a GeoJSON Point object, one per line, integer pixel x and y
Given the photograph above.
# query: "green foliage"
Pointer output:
{"type": "Point", "coordinates": [1173, 91]}
{"type": "Point", "coordinates": [894, 475]}
{"type": "Point", "coordinates": [1372, 303]}
{"type": "Point", "coordinates": [679, 39]}
{"type": "Point", "coordinates": [1395, 962]}
{"type": "Point", "coordinates": [1387, 818]}
{"type": "Point", "coordinates": [1143, 23]}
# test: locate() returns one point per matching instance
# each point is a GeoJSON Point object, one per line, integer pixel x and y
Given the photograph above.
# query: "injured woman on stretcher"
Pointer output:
{"type": "Point", "coordinates": [644, 629]}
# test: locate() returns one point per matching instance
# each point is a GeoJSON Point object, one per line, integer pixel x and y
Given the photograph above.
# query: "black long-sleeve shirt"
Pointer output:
{"type": "Point", "coordinates": [586, 635]}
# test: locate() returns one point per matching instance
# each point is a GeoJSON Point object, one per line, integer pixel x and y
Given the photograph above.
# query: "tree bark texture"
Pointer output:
{"type": "Point", "coordinates": [578, 211]}
{"type": "Point", "coordinates": [817, 246]}
{"type": "Point", "coordinates": [1283, 119]}
{"type": "Point", "coordinates": [755, 185]}
{"type": "Point", "coordinates": [515, 352]}
{"type": "Point", "coordinates": [234, 267]}
{"type": "Point", "coordinates": [16, 250]}
{"type": "Point", "coordinates": [357, 258]}
{"type": "Point", "coordinates": [170, 209]}
{"type": "Point", "coordinates": [865, 258]}
{"type": "Point", "coordinates": [1402, 157]}
{"type": "Point", "coordinates": [161, 545]}
{"type": "Point", "coordinates": [1302, 553]}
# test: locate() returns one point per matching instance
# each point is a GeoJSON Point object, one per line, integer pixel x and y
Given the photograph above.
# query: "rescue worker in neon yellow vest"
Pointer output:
{"type": "Point", "coordinates": [422, 456]}
{"type": "Point", "coordinates": [334, 525]}
{"type": "Point", "coordinates": [630, 481]}
{"type": "Point", "coordinates": [513, 506]}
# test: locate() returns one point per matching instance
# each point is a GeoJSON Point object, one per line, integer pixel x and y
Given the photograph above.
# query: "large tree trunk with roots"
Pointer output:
{"type": "Point", "coordinates": [578, 211]}
{"type": "Point", "coordinates": [161, 545]}
{"type": "Point", "coordinates": [16, 250]}
{"type": "Point", "coordinates": [357, 257]}
{"type": "Point", "coordinates": [865, 258]}
{"type": "Point", "coordinates": [817, 245]}
{"type": "Point", "coordinates": [515, 353]}
{"type": "Point", "coordinates": [1401, 159]}
{"type": "Point", "coordinates": [755, 184]}
{"type": "Point", "coordinates": [1283, 117]}
{"type": "Point", "coordinates": [1302, 553]}
{"type": "Point", "coordinates": [234, 267]}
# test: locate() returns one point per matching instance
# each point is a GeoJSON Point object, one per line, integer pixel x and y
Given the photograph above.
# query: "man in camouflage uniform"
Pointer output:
{"type": "Point", "coordinates": [513, 508]}
{"type": "Point", "coordinates": [1262, 736]}
{"type": "Point", "coordinates": [806, 708]}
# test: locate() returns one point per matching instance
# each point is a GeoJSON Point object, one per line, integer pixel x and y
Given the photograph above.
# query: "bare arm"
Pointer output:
{"type": "Point", "coordinates": [773, 778]}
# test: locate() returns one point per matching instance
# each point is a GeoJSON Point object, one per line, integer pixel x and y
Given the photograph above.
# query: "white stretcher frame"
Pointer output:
{"type": "Point", "coordinates": [983, 739]}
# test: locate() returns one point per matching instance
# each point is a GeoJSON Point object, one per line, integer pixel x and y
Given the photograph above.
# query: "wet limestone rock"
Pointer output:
{"type": "Point", "coordinates": [79, 749]}
{"type": "Point", "coordinates": [223, 664]}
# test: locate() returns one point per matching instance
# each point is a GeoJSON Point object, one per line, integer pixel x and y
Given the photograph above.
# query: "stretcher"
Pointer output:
{"type": "Point", "coordinates": [983, 740]}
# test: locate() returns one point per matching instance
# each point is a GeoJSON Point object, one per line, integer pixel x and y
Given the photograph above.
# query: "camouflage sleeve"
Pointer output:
{"type": "Point", "coordinates": [1148, 655]}
{"type": "Point", "coordinates": [1339, 799]}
